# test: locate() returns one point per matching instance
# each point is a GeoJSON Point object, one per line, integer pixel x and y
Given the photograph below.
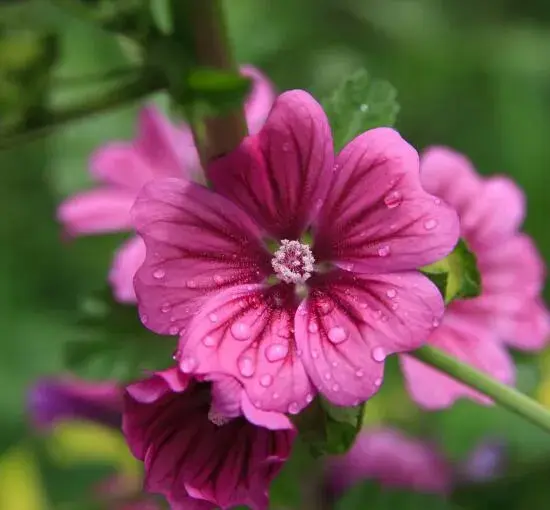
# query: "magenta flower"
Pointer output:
{"type": "Point", "coordinates": [56, 400]}
{"type": "Point", "coordinates": [122, 168]}
{"type": "Point", "coordinates": [203, 443]}
{"type": "Point", "coordinates": [509, 310]}
{"type": "Point", "coordinates": [392, 459]}
{"type": "Point", "coordinates": [324, 310]}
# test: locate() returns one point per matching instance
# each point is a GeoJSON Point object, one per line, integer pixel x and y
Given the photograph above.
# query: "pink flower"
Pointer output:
{"type": "Point", "coordinates": [55, 400]}
{"type": "Point", "coordinates": [203, 443]}
{"type": "Point", "coordinates": [392, 459]}
{"type": "Point", "coordinates": [122, 168]}
{"type": "Point", "coordinates": [509, 310]}
{"type": "Point", "coordinates": [322, 312]}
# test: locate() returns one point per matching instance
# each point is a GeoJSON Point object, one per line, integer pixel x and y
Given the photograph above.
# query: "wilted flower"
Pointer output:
{"type": "Point", "coordinates": [394, 460]}
{"type": "Point", "coordinates": [203, 443]}
{"type": "Point", "coordinates": [509, 310]}
{"type": "Point", "coordinates": [323, 308]}
{"type": "Point", "coordinates": [122, 168]}
{"type": "Point", "coordinates": [56, 400]}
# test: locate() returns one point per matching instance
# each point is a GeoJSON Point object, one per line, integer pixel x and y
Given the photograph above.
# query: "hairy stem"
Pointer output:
{"type": "Point", "coordinates": [504, 395]}
{"type": "Point", "coordinates": [220, 134]}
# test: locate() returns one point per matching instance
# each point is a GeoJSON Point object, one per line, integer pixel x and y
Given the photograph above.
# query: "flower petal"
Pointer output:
{"type": "Point", "coordinates": [127, 261]}
{"type": "Point", "coordinates": [281, 176]}
{"type": "Point", "coordinates": [261, 98]}
{"type": "Point", "coordinates": [97, 211]}
{"type": "Point", "coordinates": [197, 242]}
{"type": "Point", "coordinates": [377, 217]}
{"type": "Point", "coordinates": [351, 322]}
{"type": "Point", "coordinates": [247, 332]}
{"type": "Point", "coordinates": [457, 336]}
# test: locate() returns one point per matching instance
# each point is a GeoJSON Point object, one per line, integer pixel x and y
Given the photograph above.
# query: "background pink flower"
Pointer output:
{"type": "Point", "coordinates": [392, 459]}
{"type": "Point", "coordinates": [198, 448]}
{"type": "Point", "coordinates": [122, 168]}
{"type": "Point", "coordinates": [509, 310]}
{"type": "Point", "coordinates": [239, 309]}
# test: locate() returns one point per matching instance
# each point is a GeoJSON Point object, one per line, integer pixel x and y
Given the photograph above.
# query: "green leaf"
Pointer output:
{"type": "Point", "coordinates": [359, 104]}
{"type": "Point", "coordinates": [329, 429]}
{"type": "Point", "coordinates": [457, 275]}
{"type": "Point", "coordinates": [113, 344]}
{"type": "Point", "coordinates": [374, 497]}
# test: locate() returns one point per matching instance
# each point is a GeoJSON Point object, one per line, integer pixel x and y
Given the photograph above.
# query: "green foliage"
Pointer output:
{"type": "Point", "coordinates": [114, 345]}
{"type": "Point", "coordinates": [358, 104]}
{"type": "Point", "coordinates": [374, 497]}
{"type": "Point", "coordinates": [457, 275]}
{"type": "Point", "coordinates": [329, 429]}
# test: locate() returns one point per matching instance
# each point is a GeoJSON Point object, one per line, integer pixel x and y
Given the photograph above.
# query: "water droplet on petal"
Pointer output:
{"type": "Point", "coordinates": [159, 274]}
{"type": "Point", "coordinates": [192, 284]}
{"type": "Point", "coordinates": [286, 147]}
{"type": "Point", "coordinates": [209, 341]}
{"type": "Point", "coordinates": [393, 199]}
{"type": "Point", "coordinates": [394, 306]}
{"type": "Point", "coordinates": [309, 398]}
{"type": "Point", "coordinates": [391, 293]}
{"type": "Point", "coordinates": [337, 335]}
{"type": "Point", "coordinates": [275, 396]}
{"type": "Point", "coordinates": [334, 364]}
{"type": "Point", "coordinates": [378, 382]}
{"type": "Point", "coordinates": [430, 224]}
{"type": "Point", "coordinates": [314, 354]}
{"type": "Point", "coordinates": [359, 373]}
{"type": "Point", "coordinates": [276, 352]}
{"type": "Point", "coordinates": [188, 364]}
{"type": "Point", "coordinates": [384, 251]}
{"type": "Point", "coordinates": [293, 408]}
{"type": "Point", "coordinates": [436, 322]}
{"type": "Point", "coordinates": [378, 354]}
{"type": "Point", "coordinates": [144, 318]}
{"type": "Point", "coordinates": [213, 317]}
{"type": "Point", "coordinates": [266, 380]}
{"type": "Point", "coordinates": [174, 330]}
{"type": "Point", "coordinates": [336, 387]}
{"type": "Point", "coordinates": [166, 307]}
{"type": "Point", "coordinates": [328, 376]}
{"type": "Point", "coordinates": [437, 201]}
{"type": "Point", "coordinates": [240, 331]}
{"type": "Point", "coordinates": [246, 366]}
{"type": "Point", "coordinates": [313, 328]}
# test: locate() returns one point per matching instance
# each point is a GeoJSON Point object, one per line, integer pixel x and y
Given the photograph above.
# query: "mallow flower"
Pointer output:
{"type": "Point", "coordinates": [203, 443]}
{"type": "Point", "coordinates": [297, 272]}
{"type": "Point", "coordinates": [122, 168]}
{"type": "Point", "coordinates": [509, 311]}
{"type": "Point", "coordinates": [392, 459]}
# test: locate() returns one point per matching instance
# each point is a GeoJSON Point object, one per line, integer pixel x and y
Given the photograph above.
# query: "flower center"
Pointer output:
{"type": "Point", "coordinates": [218, 418]}
{"type": "Point", "coordinates": [293, 262]}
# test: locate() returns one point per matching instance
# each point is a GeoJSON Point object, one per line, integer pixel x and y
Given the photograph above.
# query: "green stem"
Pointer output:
{"type": "Point", "coordinates": [115, 97]}
{"type": "Point", "coordinates": [220, 134]}
{"type": "Point", "coordinates": [504, 395]}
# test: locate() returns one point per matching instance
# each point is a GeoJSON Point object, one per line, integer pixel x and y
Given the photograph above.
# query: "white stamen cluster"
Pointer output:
{"type": "Point", "coordinates": [217, 418]}
{"type": "Point", "coordinates": [293, 262]}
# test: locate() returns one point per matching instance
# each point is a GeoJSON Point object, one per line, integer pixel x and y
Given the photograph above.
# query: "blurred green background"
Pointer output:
{"type": "Point", "coordinates": [471, 74]}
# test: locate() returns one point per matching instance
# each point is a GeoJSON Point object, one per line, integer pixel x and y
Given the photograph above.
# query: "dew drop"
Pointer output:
{"type": "Point", "coordinates": [359, 373]}
{"type": "Point", "coordinates": [176, 354]}
{"type": "Point", "coordinates": [266, 380]}
{"type": "Point", "coordinates": [309, 398]}
{"type": "Point", "coordinates": [174, 330]}
{"type": "Point", "coordinates": [384, 251]}
{"type": "Point", "coordinates": [313, 328]}
{"type": "Point", "coordinates": [394, 306]}
{"type": "Point", "coordinates": [275, 396]}
{"type": "Point", "coordinates": [240, 331]}
{"type": "Point", "coordinates": [334, 364]}
{"type": "Point", "coordinates": [144, 318]}
{"type": "Point", "coordinates": [328, 376]}
{"type": "Point", "coordinates": [391, 293]}
{"type": "Point", "coordinates": [436, 322]}
{"type": "Point", "coordinates": [430, 224]}
{"type": "Point", "coordinates": [293, 408]}
{"type": "Point", "coordinates": [188, 364]}
{"type": "Point", "coordinates": [314, 354]}
{"type": "Point", "coordinates": [192, 284]}
{"type": "Point", "coordinates": [166, 307]}
{"type": "Point", "coordinates": [378, 354]}
{"type": "Point", "coordinates": [364, 108]}
{"type": "Point", "coordinates": [393, 199]}
{"type": "Point", "coordinates": [209, 341]}
{"type": "Point", "coordinates": [213, 317]}
{"type": "Point", "coordinates": [336, 387]}
{"type": "Point", "coordinates": [337, 335]}
{"type": "Point", "coordinates": [159, 274]}
{"type": "Point", "coordinates": [378, 382]}
{"type": "Point", "coordinates": [286, 147]}
{"type": "Point", "coordinates": [246, 366]}
{"type": "Point", "coordinates": [437, 201]}
{"type": "Point", "coordinates": [276, 352]}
